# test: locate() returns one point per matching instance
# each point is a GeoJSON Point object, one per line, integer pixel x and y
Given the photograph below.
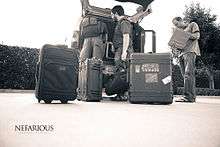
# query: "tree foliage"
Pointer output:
{"type": "Point", "coordinates": [210, 35]}
{"type": "Point", "coordinates": [17, 67]}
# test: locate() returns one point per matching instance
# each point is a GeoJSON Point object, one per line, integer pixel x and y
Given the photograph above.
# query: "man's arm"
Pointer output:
{"type": "Point", "coordinates": [140, 14]}
{"type": "Point", "coordinates": [126, 29]}
{"type": "Point", "coordinates": [126, 40]}
{"type": "Point", "coordinates": [195, 34]}
{"type": "Point", "coordinates": [87, 8]}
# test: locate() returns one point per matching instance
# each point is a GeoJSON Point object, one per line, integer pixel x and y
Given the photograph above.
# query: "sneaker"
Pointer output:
{"type": "Point", "coordinates": [185, 100]}
{"type": "Point", "coordinates": [123, 98]}
{"type": "Point", "coordinates": [119, 98]}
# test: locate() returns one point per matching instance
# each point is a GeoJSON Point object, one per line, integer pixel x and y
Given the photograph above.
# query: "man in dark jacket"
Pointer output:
{"type": "Point", "coordinates": [122, 41]}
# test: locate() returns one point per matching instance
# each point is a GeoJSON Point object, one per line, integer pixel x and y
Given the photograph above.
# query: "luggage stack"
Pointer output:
{"type": "Point", "coordinates": [90, 80]}
{"type": "Point", "coordinates": [60, 77]}
{"type": "Point", "coordinates": [150, 78]}
{"type": "Point", "coordinates": [57, 74]}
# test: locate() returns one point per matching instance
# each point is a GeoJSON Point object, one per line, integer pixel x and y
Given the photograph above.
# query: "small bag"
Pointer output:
{"type": "Point", "coordinates": [117, 84]}
{"type": "Point", "coordinates": [179, 39]}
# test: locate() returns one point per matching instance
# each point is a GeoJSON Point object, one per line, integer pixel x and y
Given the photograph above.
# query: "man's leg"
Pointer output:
{"type": "Point", "coordinates": [98, 48]}
{"type": "Point", "coordinates": [86, 51]}
{"type": "Point", "coordinates": [182, 66]}
{"type": "Point", "coordinates": [118, 61]}
{"type": "Point", "coordinates": [120, 65]}
{"type": "Point", "coordinates": [189, 76]}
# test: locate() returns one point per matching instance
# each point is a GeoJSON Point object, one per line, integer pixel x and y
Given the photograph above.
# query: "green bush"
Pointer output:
{"type": "Point", "coordinates": [17, 70]}
{"type": "Point", "coordinates": [201, 79]}
{"type": "Point", "coordinates": [177, 78]}
{"type": "Point", "coordinates": [17, 67]}
{"type": "Point", "coordinates": [217, 79]}
{"type": "Point", "coordinates": [201, 91]}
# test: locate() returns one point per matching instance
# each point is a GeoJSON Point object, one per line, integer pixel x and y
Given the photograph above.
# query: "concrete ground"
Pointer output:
{"type": "Point", "coordinates": [108, 124]}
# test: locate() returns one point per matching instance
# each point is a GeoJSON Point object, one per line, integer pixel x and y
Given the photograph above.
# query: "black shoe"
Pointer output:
{"type": "Point", "coordinates": [123, 98]}
{"type": "Point", "coordinates": [120, 98]}
{"type": "Point", "coordinates": [185, 100]}
{"type": "Point", "coordinates": [192, 100]}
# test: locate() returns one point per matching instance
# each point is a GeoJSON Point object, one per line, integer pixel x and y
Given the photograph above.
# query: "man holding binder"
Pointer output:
{"type": "Point", "coordinates": [187, 57]}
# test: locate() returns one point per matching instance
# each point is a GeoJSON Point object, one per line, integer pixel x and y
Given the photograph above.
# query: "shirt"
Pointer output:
{"type": "Point", "coordinates": [192, 44]}
{"type": "Point", "coordinates": [122, 27]}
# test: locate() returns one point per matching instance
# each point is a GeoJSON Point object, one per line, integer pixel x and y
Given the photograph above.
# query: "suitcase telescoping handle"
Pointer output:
{"type": "Point", "coordinates": [153, 39]}
{"type": "Point", "coordinates": [109, 47]}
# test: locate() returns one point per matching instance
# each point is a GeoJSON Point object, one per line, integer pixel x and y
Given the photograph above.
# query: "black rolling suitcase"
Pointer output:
{"type": "Point", "coordinates": [150, 78]}
{"type": "Point", "coordinates": [57, 74]}
{"type": "Point", "coordinates": [90, 80]}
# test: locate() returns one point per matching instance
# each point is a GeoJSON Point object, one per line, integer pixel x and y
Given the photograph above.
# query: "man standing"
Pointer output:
{"type": "Point", "coordinates": [187, 58]}
{"type": "Point", "coordinates": [122, 39]}
{"type": "Point", "coordinates": [94, 32]}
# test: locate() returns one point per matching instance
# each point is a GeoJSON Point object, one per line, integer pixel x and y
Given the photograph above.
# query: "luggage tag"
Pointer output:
{"type": "Point", "coordinates": [166, 80]}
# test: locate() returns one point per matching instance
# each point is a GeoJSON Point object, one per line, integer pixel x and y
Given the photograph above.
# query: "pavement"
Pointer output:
{"type": "Point", "coordinates": [107, 123]}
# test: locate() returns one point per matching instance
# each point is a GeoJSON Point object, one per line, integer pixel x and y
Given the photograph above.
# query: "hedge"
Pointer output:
{"type": "Point", "coordinates": [217, 79]}
{"type": "Point", "coordinates": [17, 67]}
{"type": "Point", "coordinates": [17, 70]}
{"type": "Point", "coordinates": [201, 91]}
{"type": "Point", "coordinates": [201, 79]}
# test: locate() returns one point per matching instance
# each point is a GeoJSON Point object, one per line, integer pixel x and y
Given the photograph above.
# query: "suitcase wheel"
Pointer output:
{"type": "Point", "coordinates": [113, 98]}
{"type": "Point", "coordinates": [134, 102]}
{"type": "Point", "coordinates": [92, 100]}
{"type": "Point", "coordinates": [167, 103]}
{"type": "Point", "coordinates": [47, 101]}
{"type": "Point", "coordinates": [64, 101]}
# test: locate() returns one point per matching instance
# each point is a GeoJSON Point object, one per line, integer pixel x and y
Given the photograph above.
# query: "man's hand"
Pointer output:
{"type": "Point", "coordinates": [140, 9]}
{"type": "Point", "coordinates": [149, 10]}
{"type": "Point", "coordinates": [194, 36]}
{"type": "Point", "coordinates": [141, 13]}
{"type": "Point", "coordinates": [124, 55]}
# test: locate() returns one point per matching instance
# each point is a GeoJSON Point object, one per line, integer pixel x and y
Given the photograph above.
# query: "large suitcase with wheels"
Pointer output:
{"type": "Point", "coordinates": [57, 74]}
{"type": "Point", "coordinates": [150, 78]}
{"type": "Point", "coordinates": [90, 80]}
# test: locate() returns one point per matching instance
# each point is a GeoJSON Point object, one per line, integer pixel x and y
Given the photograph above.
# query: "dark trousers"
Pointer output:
{"type": "Point", "coordinates": [187, 67]}
{"type": "Point", "coordinates": [122, 67]}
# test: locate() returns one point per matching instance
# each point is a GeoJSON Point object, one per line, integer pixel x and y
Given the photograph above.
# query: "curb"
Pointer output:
{"type": "Point", "coordinates": [15, 91]}
{"type": "Point", "coordinates": [200, 97]}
